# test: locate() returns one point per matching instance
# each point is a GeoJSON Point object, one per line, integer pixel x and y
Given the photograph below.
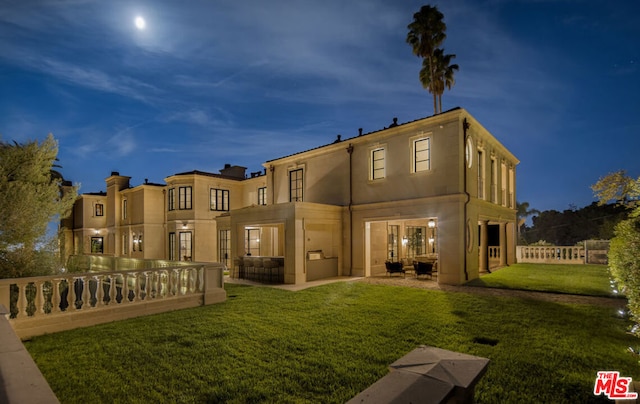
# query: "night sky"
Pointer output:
{"type": "Point", "coordinates": [212, 82]}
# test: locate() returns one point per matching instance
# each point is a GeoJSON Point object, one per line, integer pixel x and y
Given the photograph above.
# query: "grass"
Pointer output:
{"type": "Point", "coordinates": [589, 280]}
{"type": "Point", "coordinates": [328, 343]}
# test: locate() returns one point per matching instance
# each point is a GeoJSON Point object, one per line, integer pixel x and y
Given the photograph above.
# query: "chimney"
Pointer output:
{"type": "Point", "coordinates": [338, 140]}
{"type": "Point", "coordinates": [359, 131]}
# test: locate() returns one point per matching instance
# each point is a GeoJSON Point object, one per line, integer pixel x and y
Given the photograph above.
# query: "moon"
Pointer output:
{"type": "Point", "coordinates": [140, 23]}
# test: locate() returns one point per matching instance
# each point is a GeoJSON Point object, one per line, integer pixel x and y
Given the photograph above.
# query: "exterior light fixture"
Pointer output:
{"type": "Point", "coordinates": [432, 223]}
{"type": "Point", "coordinates": [404, 240]}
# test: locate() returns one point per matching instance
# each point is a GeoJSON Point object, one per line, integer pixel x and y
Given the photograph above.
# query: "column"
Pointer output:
{"type": "Point", "coordinates": [484, 246]}
{"type": "Point", "coordinates": [503, 244]}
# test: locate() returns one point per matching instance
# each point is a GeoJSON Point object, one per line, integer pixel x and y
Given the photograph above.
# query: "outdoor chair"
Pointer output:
{"type": "Point", "coordinates": [423, 268]}
{"type": "Point", "coordinates": [394, 268]}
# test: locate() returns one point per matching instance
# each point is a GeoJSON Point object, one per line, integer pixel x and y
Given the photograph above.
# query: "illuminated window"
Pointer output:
{"type": "Point", "coordinates": [295, 185]}
{"type": "Point", "coordinates": [99, 209]}
{"type": "Point", "coordinates": [184, 198]}
{"type": "Point", "coordinates": [124, 209]}
{"type": "Point", "coordinates": [422, 154]}
{"type": "Point", "coordinates": [377, 164]}
{"type": "Point", "coordinates": [185, 246]}
{"type": "Point", "coordinates": [219, 199]}
{"type": "Point", "coordinates": [172, 246]}
{"type": "Point", "coordinates": [96, 245]}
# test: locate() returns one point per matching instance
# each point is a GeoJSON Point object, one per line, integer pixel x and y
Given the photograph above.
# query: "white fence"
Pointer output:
{"type": "Point", "coordinates": [48, 304]}
{"type": "Point", "coordinates": [550, 254]}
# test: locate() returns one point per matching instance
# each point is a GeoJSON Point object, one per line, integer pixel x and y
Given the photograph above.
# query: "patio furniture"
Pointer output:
{"type": "Point", "coordinates": [423, 268]}
{"type": "Point", "coordinates": [394, 268]}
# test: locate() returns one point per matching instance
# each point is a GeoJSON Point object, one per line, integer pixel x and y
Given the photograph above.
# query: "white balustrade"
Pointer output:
{"type": "Point", "coordinates": [30, 299]}
{"type": "Point", "coordinates": [550, 254]}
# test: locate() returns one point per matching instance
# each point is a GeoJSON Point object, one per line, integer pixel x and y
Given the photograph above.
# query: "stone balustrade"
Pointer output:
{"type": "Point", "coordinates": [46, 304]}
{"type": "Point", "coordinates": [550, 254]}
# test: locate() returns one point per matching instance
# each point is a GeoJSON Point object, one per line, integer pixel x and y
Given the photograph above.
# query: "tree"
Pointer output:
{"type": "Point", "coordinates": [522, 213]}
{"type": "Point", "coordinates": [624, 251]}
{"type": "Point", "coordinates": [426, 34]}
{"type": "Point", "coordinates": [443, 73]}
{"type": "Point", "coordinates": [617, 186]}
{"type": "Point", "coordinates": [31, 196]}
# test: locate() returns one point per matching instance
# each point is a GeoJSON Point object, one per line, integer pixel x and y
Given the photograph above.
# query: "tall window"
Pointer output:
{"type": "Point", "coordinates": [125, 244]}
{"type": "Point", "coordinates": [503, 183]}
{"type": "Point", "coordinates": [140, 242]}
{"type": "Point", "coordinates": [225, 246]}
{"type": "Point", "coordinates": [262, 196]}
{"type": "Point", "coordinates": [392, 243]}
{"type": "Point", "coordinates": [184, 198]}
{"type": "Point", "coordinates": [99, 209]}
{"type": "Point", "coordinates": [416, 241]}
{"type": "Point", "coordinates": [124, 209]}
{"type": "Point", "coordinates": [219, 199]}
{"type": "Point", "coordinates": [377, 163]}
{"type": "Point", "coordinates": [252, 241]}
{"type": "Point", "coordinates": [512, 186]}
{"type": "Point", "coordinates": [480, 175]}
{"type": "Point", "coordinates": [185, 246]}
{"type": "Point", "coordinates": [422, 154]}
{"type": "Point", "coordinates": [494, 181]}
{"type": "Point", "coordinates": [295, 185]}
{"type": "Point", "coordinates": [96, 245]}
{"type": "Point", "coordinates": [172, 246]}
{"type": "Point", "coordinates": [171, 201]}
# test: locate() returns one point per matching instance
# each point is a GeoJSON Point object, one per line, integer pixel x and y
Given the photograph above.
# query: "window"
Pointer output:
{"type": "Point", "coordinates": [219, 199]}
{"type": "Point", "coordinates": [422, 154]}
{"type": "Point", "coordinates": [96, 245]}
{"type": "Point", "coordinates": [171, 202]}
{"type": "Point", "coordinates": [184, 198]}
{"type": "Point", "coordinates": [503, 182]}
{"type": "Point", "coordinates": [512, 185]}
{"type": "Point", "coordinates": [392, 243]}
{"type": "Point", "coordinates": [140, 242]}
{"type": "Point", "coordinates": [295, 185]}
{"type": "Point", "coordinates": [124, 209]}
{"type": "Point", "coordinates": [494, 181]}
{"type": "Point", "coordinates": [480, 175]}
{"type": "Point", "coordinates": [262, 196]}
{"type": "Point", "coordinates": [416, 241]}
{"type": "Point", "coordinates": [185, 246]}
{"type": "Point", "coordinates": [252, 241]}
{"type": "Point", "coordinates": [172, 246]}
{"type": "Point", "coordinates": [135, 243]}
{"type": "Point", "coordinates": [225, 246]}
{"type": "Point", "coordinates": [125, 244]}
{"type": "Point", "coordinates": [377, 164]}
{"type": "Point", "coordinates": [99, 209]}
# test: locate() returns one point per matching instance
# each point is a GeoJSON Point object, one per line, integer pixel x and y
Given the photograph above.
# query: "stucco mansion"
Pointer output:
{"type": "Point", "coordinates": [440, 188]}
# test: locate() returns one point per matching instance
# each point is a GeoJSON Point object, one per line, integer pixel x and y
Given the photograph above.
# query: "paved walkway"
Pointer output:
{"type": "Point", "coordinates": [412, 282]}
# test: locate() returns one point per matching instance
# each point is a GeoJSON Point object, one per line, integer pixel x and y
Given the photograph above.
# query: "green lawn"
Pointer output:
{"type": "Point", "coordinates": [328, 343]}
{"type": "Point", "coordinates": [590, 280]}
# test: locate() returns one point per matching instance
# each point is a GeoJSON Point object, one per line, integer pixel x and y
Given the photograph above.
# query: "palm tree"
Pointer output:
{"type": "Point", "coordinates": [426, 33]}
{"type": "Point", "coordinates": [442, 73]}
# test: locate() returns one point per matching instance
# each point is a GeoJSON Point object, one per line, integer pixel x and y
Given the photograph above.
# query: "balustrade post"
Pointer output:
{"type": "Point", "coordinates": [125, 288]}
{"type": "Point", "coordinates": [112, 289]}
{"type": "Point", "coordinates": [86, 293]}
{"type": "Point", "coordinates": [38, 299]}
{"type": "Point", "coordinates": [55, 296]}
{"type": "Point", "coordinates": [71, 295]}
{"type": "Point", "coordinates": [99, 291]}
{"type": "Point", "coordinates": [22, 300]}
{"type": "Point", "coordinates": [136, 287]}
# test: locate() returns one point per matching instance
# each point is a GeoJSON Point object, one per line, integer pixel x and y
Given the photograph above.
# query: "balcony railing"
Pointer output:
{"type": "Point", "coordinates": [47, 304]}
{"type": "Point", "coordinates": [550, 254]}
